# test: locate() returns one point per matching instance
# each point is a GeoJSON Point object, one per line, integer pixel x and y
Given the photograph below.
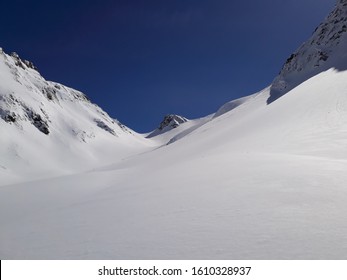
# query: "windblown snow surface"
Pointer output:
{"type": "Point", "coordinates": [259, 180]}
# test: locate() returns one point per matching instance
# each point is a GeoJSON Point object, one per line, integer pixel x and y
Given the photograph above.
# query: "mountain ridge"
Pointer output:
{"type": "Point", "coordinates": [47, 108]}
{"type": "Point", "coordinates": [325, 49]}
{"type": "Point", "coordinates": [256, 180]}
{"type": "Point", "coordinates": [36, 115]}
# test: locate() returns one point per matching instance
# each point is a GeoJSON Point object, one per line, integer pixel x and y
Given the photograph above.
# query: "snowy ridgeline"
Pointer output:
{"type": "Point", "coordinates": [36, 115]}
{"type": "Point", "coordinates": [256, 180]}
{"type": "Point", "coordinates": [324, 50]}
{"type": "Point", "coordinates": [49, 129]}
{"type": "Point", "coordinates": [25, 95]}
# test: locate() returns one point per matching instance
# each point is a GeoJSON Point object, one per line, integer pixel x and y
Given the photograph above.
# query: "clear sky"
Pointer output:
{"type": "Point", "coordinates": [142, 59]}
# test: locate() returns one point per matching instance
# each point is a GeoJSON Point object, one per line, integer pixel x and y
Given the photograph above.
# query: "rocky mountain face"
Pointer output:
{"type": "Point", "coordinates": [26, 96]}
{"type": "Point", "coordinates": [327, 48]}
{"type": "Point", "coordinates": [169, 122]}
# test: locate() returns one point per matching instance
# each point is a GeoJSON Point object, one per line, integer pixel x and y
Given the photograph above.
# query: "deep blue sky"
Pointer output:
{"type": "Point", "coordinates": [142, 59]}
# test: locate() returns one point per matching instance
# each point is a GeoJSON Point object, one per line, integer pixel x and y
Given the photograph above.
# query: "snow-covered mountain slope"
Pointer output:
{"type": "Point", "coordinates": [324, 50]}
{"type": "Point", "coordinates": [260, 180]}
{"type": "Point", "coordinates": [231, 105]}
{"type": "Point", "coordinates": [48, 128]}
{"type": "Point", "coordinates": [309, 120]}
{"type": "Point", "coordinates": [169, 122]}
{"type": "Point", "coordinates": [174, 127]}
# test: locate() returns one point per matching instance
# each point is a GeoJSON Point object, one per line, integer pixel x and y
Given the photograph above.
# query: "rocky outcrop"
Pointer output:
{"type": "Point", "coordinates": [23, 63]}
{"type": "Point", "coordinates": [104, 126]}
{"type": "Point", "coordinates": [171, 121]}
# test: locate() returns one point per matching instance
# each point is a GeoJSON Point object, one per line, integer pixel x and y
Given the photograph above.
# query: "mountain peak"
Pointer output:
{"type": "Point", "coordinates": [36, 115]}
{"type": "Point", "coordinates": [26, 97]}
{"type": "Point", "coordinates": [170, 121]}
{"type": "Point", "coordinates": [324, 50]}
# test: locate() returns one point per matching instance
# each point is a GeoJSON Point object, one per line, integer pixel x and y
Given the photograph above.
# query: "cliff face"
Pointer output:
{"type": "Point", "coordinates": [327, 48]}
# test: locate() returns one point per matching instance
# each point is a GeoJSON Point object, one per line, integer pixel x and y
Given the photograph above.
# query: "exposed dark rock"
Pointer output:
{"type": "Point", "coordinates": [172, 121]}
{"type": "Point", "coordinates": [49, 92]}
{"type": "Point", "coordinates": [19, 62]}
{"type": "Point", "coordinates": [37, 121]}
{"type": "Point", "coordinates": [7, 116]}
{"type": "Point", "coordinates": [29, 64]}
{"type": "Point", "coordinates": [104, 126]}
